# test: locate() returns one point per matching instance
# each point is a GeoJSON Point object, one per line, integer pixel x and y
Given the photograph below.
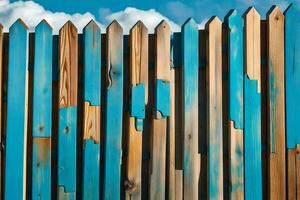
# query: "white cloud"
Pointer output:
{"type": "Point", "coordinates": [129, 16]}
{"type": "Point", "coordinates": [32, 13]}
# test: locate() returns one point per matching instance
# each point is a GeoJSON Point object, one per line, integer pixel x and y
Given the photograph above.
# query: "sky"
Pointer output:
{"type": "Point", "coordinates": [127, 12]}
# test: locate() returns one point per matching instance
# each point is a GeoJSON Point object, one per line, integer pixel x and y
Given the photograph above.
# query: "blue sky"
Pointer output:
{"type": "Point", "coordinates": [127, 12]}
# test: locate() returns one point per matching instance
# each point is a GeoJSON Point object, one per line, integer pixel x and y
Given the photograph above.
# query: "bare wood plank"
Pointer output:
{"type": "Point", "coordinates": [276, 104]}
{"type": "Point", "coordinates": [162, 103]}
{"type": "Point", "coordinates": [252, 106]}
{"type": "Point", "coordinates": [138, 75]}
{"type": "Point", "coordinates": [214, 106]}
{"type": "Point", "coordinates": [68, 92]}
{"type": "Point", "coordinates": [91, 122]}
{"type": "Point", "coordinates": [292, 174]}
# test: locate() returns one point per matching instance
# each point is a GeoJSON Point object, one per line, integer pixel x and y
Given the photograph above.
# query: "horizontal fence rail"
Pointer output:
{"type": "Point", "coordinates": [196, 114]}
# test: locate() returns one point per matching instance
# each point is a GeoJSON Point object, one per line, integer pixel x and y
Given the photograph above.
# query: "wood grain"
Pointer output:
{"type": "Point", "coordinates": [276, 104]}
{"type": "Point", "coordinates": [214, 108]}
{"type": "Point", "coordinates": [138, 74]}
{"type": "Point", "coordinates": [68, 59]}
{"type": "Point", "coordinates": [91, 122]}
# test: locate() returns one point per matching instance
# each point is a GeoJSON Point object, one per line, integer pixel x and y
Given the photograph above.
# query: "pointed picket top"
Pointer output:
{"type": "Point", "coordinates": [233, 18]}
{"type": "Point", "coordinates": [139, 25]}
{"type": "Point", "coordinates": [162, 26]}
{"type": "Point", "coordinates": [44, 25]}
{"type": "Point", "coordinates": [68, 25]}
{"type": "Point", "coordinates": [293, 9]}
{"type": "Point", "coordinates": [92, 25]}
{"type": "Point", "coordinates": [251, 11]}
{"type": "Point", "coordinates": [115, 25]}
{"type": "Point", "coordinates": [190, 23]}
{"type": "Point", "coordinates": [18, 23]}
{"type": "Point", "coordinates": [275, 13]}
{"type": "Point", "coordinates": [213, 21]}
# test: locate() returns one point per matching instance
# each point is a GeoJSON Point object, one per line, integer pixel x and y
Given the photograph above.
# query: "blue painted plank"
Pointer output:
{"type": "Point", "coordinates": [137, 108]}
{"type": "Point", "coordinates": [191, 157]}
{"type": "Point", "coordinates": [252, 146]}
{"type": "Point", "coordinates": [16, 132]}
{"type": "Point", "coordinates": [42, 112]}
{"type": "Point", "coordinates": [292, 75]}
{"type": "Point", "coordinates": [234, 22]}
{"type": "Point", "coordinates": [114, 113]}
{"type": "Point", "coordinates": [92, 89]}
{"type": "Point", "coordinates": [67, 150]}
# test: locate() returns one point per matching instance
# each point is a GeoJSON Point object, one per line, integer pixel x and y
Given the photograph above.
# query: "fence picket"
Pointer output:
{"type": "Point", "coordinates": [42, 112]}
{"type": "Point", "coordinates": [16, 133]}
{"type": "Point", "coordinates": [276, 104]}
{"type": "Point", "coordinates": [292, 89]}
{"type": "Point", "coordinates": [92, 110]}
{"type": "Point", "coordinates": [234, 22]}
{"type": "Point", "coordinates": [191, 157]}
{"type": "Point", "coordinates": [67, 134]}
{"type": "Point", "coordinates": [214, 107]}
{"type": "Point", "coordinates": [114, 112]}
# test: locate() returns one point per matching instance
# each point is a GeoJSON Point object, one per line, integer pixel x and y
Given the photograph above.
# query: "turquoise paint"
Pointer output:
{"type": "Point", "coordinates": [65, 196]}
{"type": "Point", "coordinates": [234, 22]}
{"type": "Point", "coordinates": [137, 107]}
{"type": "Point", "coordinates": [252, 140]}
{"type": "Point", "coordinates": [91, 169]}
{"type": "Point", "coordinates": [176, 50]}
{"type": "Point", "coordinates": [236, 42]}
{"type": "Point", "coordinates": [113, 127]}
{"type": "Point", "coordinates": [41, 171]}
{"type": "Point", "coordinates": [67, 137]}
{"type": "Point", "coordinates": [190, 65]}
{"type": "Point", "coordinates": [15, 136]}
{"type": "Point", "coordinates": [162, 97]}
{"type": "Point", "coordinates": [92, 94]}
{"type": "Point", "coordinates": [273, 95]}
{"type": "Point", "coordinates": [42, 109]}
{"type": "Point", "coordinates": [92, 63]}
{"type": "Point", "coordinates": [292, 75]}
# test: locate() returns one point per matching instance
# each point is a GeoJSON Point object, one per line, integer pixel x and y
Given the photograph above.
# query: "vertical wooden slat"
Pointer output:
{"type": "Point", "coordinates": [92, 110]}
{"type": "Point", "coordinates": [276, 104]}
{"type": "Point", "coordinates": [252, 106]}
{"type": "Point", "coordinates": [1, 109]}
{"type": "Point", "coordinates": [214, 108]}
{"type": "Point", "coordinates": [139, 98]}
{"type": "Point", "coordinates": [161, 112]}
{"type": "Point", "coordinates": [42, 112]}
{"type": "Point", "coordinates": [16, 134]}
{"type": "Point", "coordinates": [68, 90]}
{"type": "Point", "coordinates": [114, 112]}
{"type": "Point", "coordinates": [191, 157]}
{"type": "Point", "coordinates": [292, 89]}
{"type": "Point", "coordinates": [234, 22]}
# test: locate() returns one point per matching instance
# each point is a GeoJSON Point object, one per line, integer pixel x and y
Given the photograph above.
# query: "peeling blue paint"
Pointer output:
{"type": "Point", "coordinates": [162, 97]}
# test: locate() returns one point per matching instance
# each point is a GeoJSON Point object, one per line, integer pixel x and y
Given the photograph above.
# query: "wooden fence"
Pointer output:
{"type": "Point", "coordinates": [198, 114]}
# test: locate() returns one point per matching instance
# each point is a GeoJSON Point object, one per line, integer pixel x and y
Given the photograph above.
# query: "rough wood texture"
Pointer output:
{"type": "Point", "coordinates": [67, 135]}
{"type": "Point", "coordinates": [159, 125]}
{"type": "Point", "coordinates": [191, 157]}
{"type": "Point", "coordinates": [91, 122]}
{"type": "Point", "coordinates": [114, 112]}
{"type": "Point", "coordinates": [138, 74]}
{"type": "Point", "coordinates": [252, 107]}
{"type": "Point", "coordinates": [276, 104]}
{"type": "Point", "coordinates": [68, 59]}
{"type": "Point", "coordinates": [17, 107]}
{"type": "Point", "coordinates": [214, 108]}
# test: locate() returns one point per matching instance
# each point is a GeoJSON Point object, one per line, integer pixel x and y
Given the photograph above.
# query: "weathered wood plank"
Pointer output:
{"type": "Point", "coordinates": [16, 133]}
{"type": "Point", "coordinates": [42, 112]}
{"type": "Point", "coordinates": [114, 112]}
{"type": "Point", "coordinates": [68, 90]}
{"type": "Point", "coordinates": [92, 110]}
{"type": "Point", "coordinates": [252, 106]}
{"type": "Point", "coordinates": [161, 112]}
{"type": "Point", "coordinates": [214, 108]}
{"type": "Point", "coordinates": [234, 22]}
{"type": "Point", "coordinates": [276, 104]}
{"type": "Point", "coordinates": [191, 157]}
{"type": "Point", "coordinates": [139, 98]}
{"type": "Point", "coordinates": [292, 92]}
